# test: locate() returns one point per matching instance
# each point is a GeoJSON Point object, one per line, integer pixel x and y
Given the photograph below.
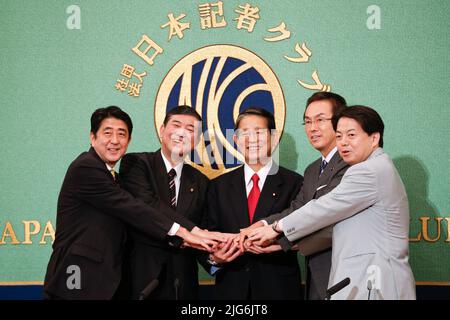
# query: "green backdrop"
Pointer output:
{"type": "Point", "coordinates": [53, 78]}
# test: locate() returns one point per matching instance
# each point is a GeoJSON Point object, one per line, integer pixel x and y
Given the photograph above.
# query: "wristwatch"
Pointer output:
{"type": "Point", "coordinates": [275, 227]}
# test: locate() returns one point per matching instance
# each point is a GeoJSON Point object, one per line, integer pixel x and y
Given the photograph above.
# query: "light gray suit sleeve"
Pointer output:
{"type": "Point", "coordinates": [357, 191]}
{"type": "Point", "coordinates": [298, 202]}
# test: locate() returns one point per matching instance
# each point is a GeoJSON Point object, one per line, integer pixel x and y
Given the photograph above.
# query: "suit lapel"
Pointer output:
{"type": "Point", "coordinates": [238, 197]}
{"type": "Point", "coordinates": [102, 165]}
{"type": "Point", "coordinates": [269, 194]}
{"type": "Point", "coordinates": [335, 165]}
{"type": "Point", "coordinates": [161, 178]}
{"type": "Point", "coordinates": [187, 189]}
{"type": "Point", "coordinates": [311, 182]}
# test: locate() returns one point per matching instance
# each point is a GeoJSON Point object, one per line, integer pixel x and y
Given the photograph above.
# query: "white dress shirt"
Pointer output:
{"type": "Point", "coordinates": [330, 155]}
{"type": "Point", "coordinates": [262, 174]}
{"type": "Point", "coordinates": [109, 167]}
{"type": "Point", "coordinates": [178, 168]}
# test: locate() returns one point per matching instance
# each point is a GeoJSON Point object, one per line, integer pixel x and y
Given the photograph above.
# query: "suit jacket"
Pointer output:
{"type": "Point", "coordinates": [144, 175]}
{"type": "Point", "coordinates": [370, 211]}
{"type": "Point", "coordinates": [90, 230]}
{"type": "Point", "coordinates": [265, 276]}
{"type": "Point", "coordinates": [316, 247]}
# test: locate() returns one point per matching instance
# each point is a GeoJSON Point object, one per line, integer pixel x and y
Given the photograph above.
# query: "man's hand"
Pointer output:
{"type": "Point", "coordinates": [212, 235]}
{"type": "Point", "coordinates": [194, 241]}
{"type": "Point", "coordinates": [253, 248]}
{"type": "Point", "coordinates": [246, 231]}
{"type": "Point", "coordinates": [263, 236]}
{"type": "Point", "coordinates": [228, 252]}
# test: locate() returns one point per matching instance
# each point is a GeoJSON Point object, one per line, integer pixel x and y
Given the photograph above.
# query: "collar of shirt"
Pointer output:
{"type": "Point", "coordinates": [178, 168]}
{"type": "Point", "coordinates": [330, 155]}
{"type": "Point", "coordinates": [262, 174]}
{"type": "Point", "coordinates": [108, 167]}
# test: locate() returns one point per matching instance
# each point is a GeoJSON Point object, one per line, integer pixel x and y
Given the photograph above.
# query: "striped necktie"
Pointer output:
{"type": "Point", "coordinates": [172, 192]}
{"type": "Point", "coordinates": [113, 173]}
{"type": "Point", "coordinates": [323, 165]}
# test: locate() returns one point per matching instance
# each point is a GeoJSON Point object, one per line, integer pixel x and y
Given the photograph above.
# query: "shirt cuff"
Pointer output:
{"type": "Point", "coordinates": [264, 222]}
{"type": "Point", "coordinates": [280, 225]}
{"type": "Point", "coordinates": [213, 270]}
{"type": "Point", "coordinates": [174, 229]}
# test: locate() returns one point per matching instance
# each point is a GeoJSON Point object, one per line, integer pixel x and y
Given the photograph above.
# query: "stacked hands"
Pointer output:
{"type": "Point", "coordinates": [225, 247]}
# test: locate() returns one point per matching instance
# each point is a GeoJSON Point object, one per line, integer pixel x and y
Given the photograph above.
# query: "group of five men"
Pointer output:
{"type": "Point", "coordinates": [161, 216]}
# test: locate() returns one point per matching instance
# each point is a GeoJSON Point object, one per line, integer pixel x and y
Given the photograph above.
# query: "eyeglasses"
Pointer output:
{"type": "Point", "coordinates": [319, 121]}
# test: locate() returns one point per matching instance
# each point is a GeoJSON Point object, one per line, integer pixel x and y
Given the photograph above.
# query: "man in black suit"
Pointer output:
{"type": "Point", "coordinates": [92, 213]}
{"type": "Point", "coordinates": [321, 176]}
{"type": "Point", "coordinates": [252, 192]}
{"type": "Point", "coordinates": [148, 176]}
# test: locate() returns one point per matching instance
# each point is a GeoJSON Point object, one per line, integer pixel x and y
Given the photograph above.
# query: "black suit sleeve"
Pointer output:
{"type": "Point", "coordinates": [139, 181]}
{"type": "Point", "coordinates": [296, 203]}
{"type": "Point", "coordinates": [92, 185]}
{"type": "Point", "coordinates": [212, 212]}
{"type": "Point", "coordinates": [136, 179]}
{"type": "Point", "coordinates": [210, 221]}
{"type": "Point", "coordinates": [201, 256]}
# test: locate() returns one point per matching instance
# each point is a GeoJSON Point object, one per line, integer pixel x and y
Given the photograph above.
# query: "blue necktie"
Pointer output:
{"type": "Point", "coordinates": [323, 165]}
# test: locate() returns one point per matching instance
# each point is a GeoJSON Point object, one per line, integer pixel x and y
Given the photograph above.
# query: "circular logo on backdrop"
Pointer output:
{"type": "Point", "coordinates": [219, 81]}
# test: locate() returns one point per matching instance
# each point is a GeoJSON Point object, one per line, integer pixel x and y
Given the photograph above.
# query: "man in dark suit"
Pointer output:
{"type": "Point", "coordinates": [252, 192]}
{"type": "Point", "coordinates": [148, 176]}
{"type": "Point", "coordinates": [321, 176]}
{"type": "Point", "coordinates": [92, 213]}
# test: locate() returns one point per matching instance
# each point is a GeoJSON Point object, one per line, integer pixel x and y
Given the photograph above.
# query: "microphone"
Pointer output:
{"type": "Point", "coordinates": [373, 281]}
{"type": "Point", "coordinates": [337, 287]}
{"type": "Point", "coordinates": [149, 289]}
{"type": "Point", "coordinates": [176, 284]}
{"type": "Point", "coordinates": [369, 287]}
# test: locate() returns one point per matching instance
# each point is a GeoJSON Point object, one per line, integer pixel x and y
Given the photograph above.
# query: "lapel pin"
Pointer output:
{"type": "Point", "coordinates": [192, 190]}
{"type": "Point", "coordinates": [274, 194]}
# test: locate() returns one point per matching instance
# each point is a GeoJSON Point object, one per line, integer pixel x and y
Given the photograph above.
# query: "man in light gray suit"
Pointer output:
{"type": "Point", "coordinates": [369, 210]}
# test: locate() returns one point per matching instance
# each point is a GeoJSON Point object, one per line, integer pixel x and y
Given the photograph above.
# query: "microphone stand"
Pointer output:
{"type": "Point", "coordinates": [149, 289]}
{"type": "Point", "coordinates": [369, 287]}
{"type": "Point", "coordinates": [176, 284]}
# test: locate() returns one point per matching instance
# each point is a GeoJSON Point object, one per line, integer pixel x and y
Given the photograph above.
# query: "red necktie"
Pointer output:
{"type": "Point", "coordinates": [253, 197]}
